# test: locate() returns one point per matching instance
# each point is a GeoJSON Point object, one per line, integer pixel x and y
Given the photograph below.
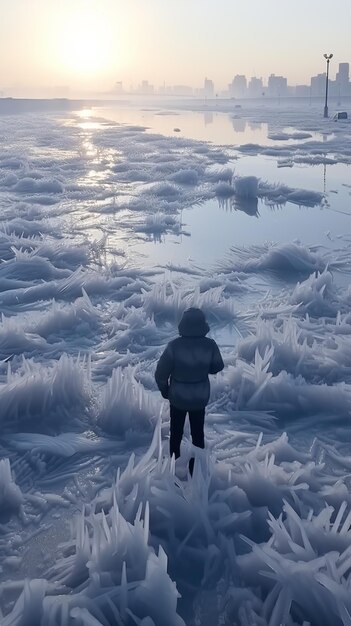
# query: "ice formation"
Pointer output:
{"type": "Point", "coordinates": [98, 526]}
{"type": "Point", "coordinates": [10, 494]}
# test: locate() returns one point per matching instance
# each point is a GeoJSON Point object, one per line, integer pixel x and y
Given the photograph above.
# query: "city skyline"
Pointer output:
{"type": "Point", "coordinates": [241, 86]}
{"type": "Point", "coordinates": [89, 44]}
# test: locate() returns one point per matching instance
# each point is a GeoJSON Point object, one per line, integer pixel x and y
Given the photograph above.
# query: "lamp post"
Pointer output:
{"type": "Point", "coordinates": [327, 57]}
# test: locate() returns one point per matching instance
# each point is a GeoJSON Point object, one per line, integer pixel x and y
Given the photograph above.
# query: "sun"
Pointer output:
{"type": "Point", "coordinates": [85, 45]}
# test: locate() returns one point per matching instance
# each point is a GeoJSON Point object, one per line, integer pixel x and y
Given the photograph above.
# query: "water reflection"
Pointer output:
{"type": "Point", "coordinates": [208, 230]}
{"type": "Point", "coordinates": [208, 118]}
{"type": "Point", "coordinates": [254, 125]}
{"type": "Point", "coordinates": [247, 205]}
{"type": "Point", "coordinates": [217, 127]}
{"type": "Point", "coordinates": [155, 237]}
{"type": "Point", "coordinates": [239, 124]}
{"type": "Point", "coordinates": [86, 123]}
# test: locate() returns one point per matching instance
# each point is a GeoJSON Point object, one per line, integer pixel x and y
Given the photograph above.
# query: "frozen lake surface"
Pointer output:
{"type": "Point", "coordinates": [111, 224]}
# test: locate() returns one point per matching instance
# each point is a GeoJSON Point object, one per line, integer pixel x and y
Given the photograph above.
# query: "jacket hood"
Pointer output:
{"type": "Point", "coordinates": [193, 324]}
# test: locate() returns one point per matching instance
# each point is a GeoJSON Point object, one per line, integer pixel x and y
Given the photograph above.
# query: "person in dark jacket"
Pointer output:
{"type": "Point", "coordinates": [182, 378]}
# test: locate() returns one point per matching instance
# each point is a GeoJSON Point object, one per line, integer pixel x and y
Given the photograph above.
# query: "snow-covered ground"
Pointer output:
{"type": "Point", "coordinates": [108, 231]}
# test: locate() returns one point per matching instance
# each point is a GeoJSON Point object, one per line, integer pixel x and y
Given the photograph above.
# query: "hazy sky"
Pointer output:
{"type": "Point", "coordinates": [93, 43]}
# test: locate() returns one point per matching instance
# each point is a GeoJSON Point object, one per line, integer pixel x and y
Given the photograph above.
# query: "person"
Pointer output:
{"type": "Point", "coordinates": [182, 378]}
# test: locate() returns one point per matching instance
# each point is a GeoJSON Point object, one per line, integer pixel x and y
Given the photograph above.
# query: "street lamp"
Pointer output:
{"type": "Point", "coordinates": [327, 57]}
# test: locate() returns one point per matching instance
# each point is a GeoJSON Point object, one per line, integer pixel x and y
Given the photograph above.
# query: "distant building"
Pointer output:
{"type": "Point", "coordinates": [318, 84]}
{"type": "Point", "coordinates": [182, 90]}
{"type": "Point", "coordinates": [238, 86]}
{"type": "Point", "coordinates": [255, 87]}
{"type": "Point", "coordinates": [343, 75]}
{"type": "Point", "coordinates": [302, 91]}
{"type": "Point", "coordinates": [175, 90]}
{"type": "Point", "coordinates": [118, 87]}
{"type": "Point", "coordinates": [208, 88]}
{"type": "Point", "coordinates": [277, 86]}
{"type": "Point", "coordinates": [342, 80]}
{"type": "Point", "coordinates": [145, 88]}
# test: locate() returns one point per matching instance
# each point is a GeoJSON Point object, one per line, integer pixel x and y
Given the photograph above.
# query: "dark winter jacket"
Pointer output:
{"type": "Point", "coordinates": [183, 368]}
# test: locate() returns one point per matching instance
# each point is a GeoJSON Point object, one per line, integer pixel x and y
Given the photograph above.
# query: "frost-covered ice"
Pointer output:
{"type": "Point", "coordinates": [97, 525]}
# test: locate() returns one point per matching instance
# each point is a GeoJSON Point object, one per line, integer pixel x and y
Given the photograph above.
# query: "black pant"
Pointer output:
{"type": "Point", "coordinates": [196, 419]}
